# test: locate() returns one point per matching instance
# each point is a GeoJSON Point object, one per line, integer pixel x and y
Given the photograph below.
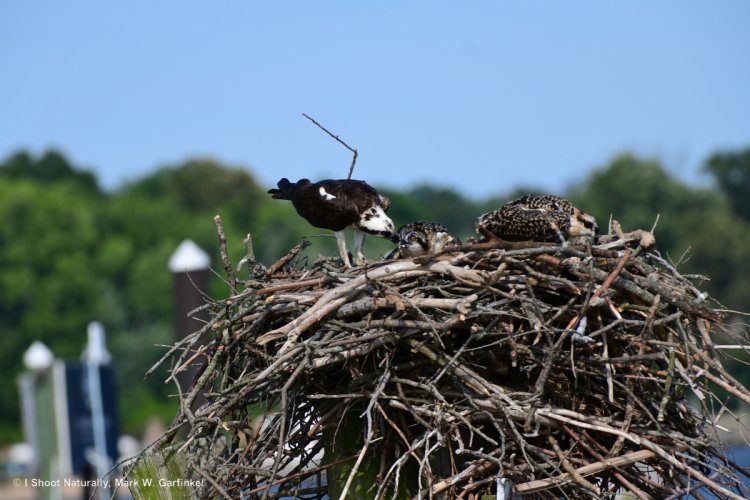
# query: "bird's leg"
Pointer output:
{"type": "Point", "coordinates": [359, 243]}
{"type": "Point", "coordinates": [341, 242]}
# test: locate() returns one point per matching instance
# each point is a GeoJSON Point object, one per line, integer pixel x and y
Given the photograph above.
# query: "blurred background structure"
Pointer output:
{"type": "Point", "coordinates": [125, 128]}
{"type": "Point", "coordinates": [70, 419]}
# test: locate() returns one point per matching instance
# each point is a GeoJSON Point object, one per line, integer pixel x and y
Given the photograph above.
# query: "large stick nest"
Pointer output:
{"type": "Point", "coordinates": [566, 370]}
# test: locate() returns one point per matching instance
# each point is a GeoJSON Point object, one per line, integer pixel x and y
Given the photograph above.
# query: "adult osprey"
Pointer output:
{"type": "Point", "coordinates": [422, 238]}
{"type": "Point", "coordinates": [338, 205]}
{"type": "Point", "coordinates": [537, 218]}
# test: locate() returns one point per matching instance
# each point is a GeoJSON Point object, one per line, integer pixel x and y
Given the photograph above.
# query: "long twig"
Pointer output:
{"type": "Point", "coordinates": [586, 470]}
{"type": "Point", "coordinates": [225, 255]}
{"type": "Point", "coordinates": [353, 150]}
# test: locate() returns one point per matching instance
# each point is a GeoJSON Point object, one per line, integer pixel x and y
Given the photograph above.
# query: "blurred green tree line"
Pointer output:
{"type": "Point", "coordinates": [72, 253]}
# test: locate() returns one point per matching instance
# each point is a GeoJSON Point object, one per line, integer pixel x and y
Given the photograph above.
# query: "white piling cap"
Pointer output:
{"type": "Point", "coordinates": [38, 356]}
{"type": "Point", "coordinates": [96, 350]}
{"type": "Point", "coordinates": [188, 257]}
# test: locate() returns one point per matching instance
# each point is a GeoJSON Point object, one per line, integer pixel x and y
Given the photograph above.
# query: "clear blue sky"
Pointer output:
{"type": "Point", "coordinates": [482, 96]}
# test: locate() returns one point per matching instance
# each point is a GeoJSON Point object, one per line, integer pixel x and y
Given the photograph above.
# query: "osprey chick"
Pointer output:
{"type": "Point", "coordinates": [537, 218]}
{"type": "Point", "coordinates": [338, 205]}
{"type": "Point", "coordinates": [422, 238]}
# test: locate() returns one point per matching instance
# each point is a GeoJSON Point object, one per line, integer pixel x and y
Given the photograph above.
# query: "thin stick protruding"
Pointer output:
{"type": "Point", "coordinates": [353, 150]}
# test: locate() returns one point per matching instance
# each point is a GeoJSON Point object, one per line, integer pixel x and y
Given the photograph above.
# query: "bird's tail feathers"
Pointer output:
{"type": "Point", "coordinates": [284, 191]}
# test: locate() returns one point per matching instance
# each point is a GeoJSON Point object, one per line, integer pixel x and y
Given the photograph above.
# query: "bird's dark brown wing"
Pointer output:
{"type": "Point", "coordinates": [335, 204]}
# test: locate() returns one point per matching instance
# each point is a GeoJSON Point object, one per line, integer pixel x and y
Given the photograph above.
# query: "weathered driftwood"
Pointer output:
{"type": "Point", "coordinates": [567, 369]}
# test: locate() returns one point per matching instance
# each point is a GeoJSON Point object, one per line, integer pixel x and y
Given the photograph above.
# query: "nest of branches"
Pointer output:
{"type": "Point", "coordinates": [557, 370]}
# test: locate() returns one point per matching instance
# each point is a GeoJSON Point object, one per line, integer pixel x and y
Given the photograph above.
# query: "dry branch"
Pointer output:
{"type": "Point", "coordinates": [340, 141]}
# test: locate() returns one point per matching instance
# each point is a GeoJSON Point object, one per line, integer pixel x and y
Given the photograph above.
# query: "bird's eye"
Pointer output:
{"type": "Point", "coordinates": [412, 238]}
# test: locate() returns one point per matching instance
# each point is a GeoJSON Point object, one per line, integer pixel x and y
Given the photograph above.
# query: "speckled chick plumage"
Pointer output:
{"type": "Point", "coordinates": [422, 238]}
{"type": "Point", "coordinates": [537, 218]}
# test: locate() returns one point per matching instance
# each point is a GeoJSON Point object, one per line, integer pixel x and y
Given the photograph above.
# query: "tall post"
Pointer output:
{"type": "Point", "coordinates": [94, 357]}
{"type": "Point", "coordinates": [190, 266]}
{"type": "Point", "coordinates": [39, 413]}
{"type": "Point", "coordinates": [38, 360]}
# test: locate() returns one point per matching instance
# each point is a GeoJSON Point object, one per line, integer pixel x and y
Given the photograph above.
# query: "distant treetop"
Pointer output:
{"type": "Point", "coordinates": [49, 168]}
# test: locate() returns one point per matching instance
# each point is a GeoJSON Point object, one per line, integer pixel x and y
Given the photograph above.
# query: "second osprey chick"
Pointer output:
{"type": "Point", "coordinates": [537, 218]}
{"type": "Point", "coordinates": [422, 238]}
